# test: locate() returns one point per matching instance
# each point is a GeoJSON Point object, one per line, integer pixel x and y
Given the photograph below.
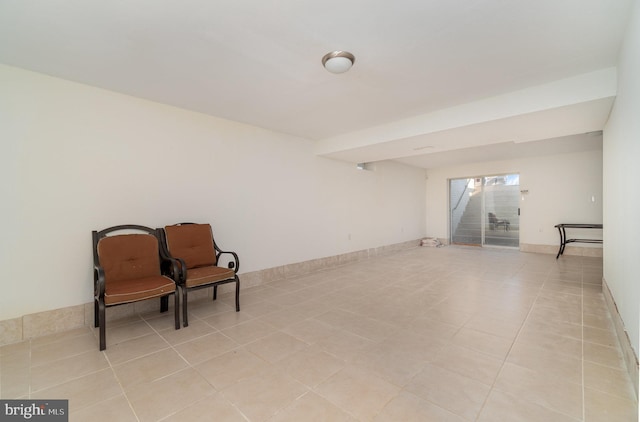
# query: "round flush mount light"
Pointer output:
{"type": "Point", "coordinates": [338, 61]}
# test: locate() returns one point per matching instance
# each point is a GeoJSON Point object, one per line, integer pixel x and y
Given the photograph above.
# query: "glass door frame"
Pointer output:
{"type": "Point", "coordinates": [480, 182]}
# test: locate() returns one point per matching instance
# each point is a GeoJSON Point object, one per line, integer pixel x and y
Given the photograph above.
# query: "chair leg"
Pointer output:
{"type": "Point", "coordinates": [96, 322]}
{"type": "Point", "coordinates": [215, 292]}
{"type": "Point", "coordinates": [237, 294]}
{"type": "Point", "coordinates": [177, 307]}
{"type": "Point", "coordinates": [102, 322]}
{"type": "Point", "coordinates": [164, 303]}
{"type": "Point", "coordinates": [185, 319]}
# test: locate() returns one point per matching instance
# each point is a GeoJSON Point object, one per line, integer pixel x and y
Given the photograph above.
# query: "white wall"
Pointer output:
{"type": "Point", "coordinates": [560, 189]}
{"type": "Point", "coordinates": [621, 176]}
{"type": "Point", "coordinates": [76, 158]}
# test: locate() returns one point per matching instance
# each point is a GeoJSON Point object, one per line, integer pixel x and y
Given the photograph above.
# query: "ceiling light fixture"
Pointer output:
{"type": "Point", "coordinates": [338, 61]}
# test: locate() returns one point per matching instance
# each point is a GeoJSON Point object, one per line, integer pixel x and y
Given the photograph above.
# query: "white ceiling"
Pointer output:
{"type": "Point", "coordinates": [259, 62]}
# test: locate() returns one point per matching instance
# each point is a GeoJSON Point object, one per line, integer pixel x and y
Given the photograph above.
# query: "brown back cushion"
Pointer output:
{"type": "Point", "coordinates": [193, 243]}
{"type": "Point", "coordinates": [129, 256]}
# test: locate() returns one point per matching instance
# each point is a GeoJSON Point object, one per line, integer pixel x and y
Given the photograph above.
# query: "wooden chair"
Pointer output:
{"type": "Point", "coordinates": [198, 255]}
{"type": "Point", "coordinates": [128, 268]}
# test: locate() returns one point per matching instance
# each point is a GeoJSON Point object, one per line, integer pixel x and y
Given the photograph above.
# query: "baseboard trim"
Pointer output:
{"type": "Point", "coordinates": [59, 320]}
{"type": "Point", "coordinates": [629, 355]}
{"type": "Point", "coordinates": [595, 252]}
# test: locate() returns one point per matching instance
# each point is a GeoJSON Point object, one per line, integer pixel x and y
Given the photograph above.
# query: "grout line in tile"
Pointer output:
{"type": "Point", "coordinates": [516, 339]}
{"type": "Point", "coordinates": [584, 405]}
{"type": "Point", "coordinates": [491, 389]}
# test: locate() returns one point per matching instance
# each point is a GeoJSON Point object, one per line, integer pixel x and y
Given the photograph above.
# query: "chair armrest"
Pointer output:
{"type": "Point", "coordinates": [173, 267]}
{"type": "Point", "coordinates": [235, 264]}
{"type": "Point", "coordinates": [98, 281]}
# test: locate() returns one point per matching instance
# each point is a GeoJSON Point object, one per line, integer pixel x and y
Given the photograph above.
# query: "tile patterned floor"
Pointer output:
{"type": "Point", "coordinates": [447, 334]}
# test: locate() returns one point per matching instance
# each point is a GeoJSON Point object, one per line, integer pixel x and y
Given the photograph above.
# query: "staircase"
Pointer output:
{"type": "Point", "coordinates": [469, 228]}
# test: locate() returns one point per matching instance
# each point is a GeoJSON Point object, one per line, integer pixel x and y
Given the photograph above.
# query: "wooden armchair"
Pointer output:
{"type": "Point", "coordinates": [128, 268]}
{"type": "Point", "coordinates": [193, 247]}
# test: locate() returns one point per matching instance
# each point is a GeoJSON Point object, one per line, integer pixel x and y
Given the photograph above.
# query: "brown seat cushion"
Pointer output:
{"type": "Point", "coordinates": [123, 291]}
{"type": "Point", "coordinates": [131, 265]}
{"type": "Point", "coordinates": [206, 275]}
{"type": "Point", "coordinates": [193, 243]}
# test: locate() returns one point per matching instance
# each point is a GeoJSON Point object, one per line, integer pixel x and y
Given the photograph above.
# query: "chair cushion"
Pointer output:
{"type": "Point", "coordinates": [123, 291]}
{"type": "Point", "coordinates": [129, 256]}
{"type": "Point", "coordinates": [207, 275]}
{"type": "Point", "coordinates": [193, 243]}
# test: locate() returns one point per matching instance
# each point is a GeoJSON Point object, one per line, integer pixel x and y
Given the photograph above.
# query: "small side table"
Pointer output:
{"type": "Point", "coordinates": [563, 235]}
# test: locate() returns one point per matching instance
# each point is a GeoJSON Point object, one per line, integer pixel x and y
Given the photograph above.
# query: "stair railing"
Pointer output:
{"type": "Point", "coordinates": [460, 198]}
{"type": "Point", "coordinates": [457, 216]}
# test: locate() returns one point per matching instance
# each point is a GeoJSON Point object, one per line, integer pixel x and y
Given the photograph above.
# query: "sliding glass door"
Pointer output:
{"type": "Point", "coordinates": [485, 210]}
{"type": "Point", "coordinates": [502, 210]}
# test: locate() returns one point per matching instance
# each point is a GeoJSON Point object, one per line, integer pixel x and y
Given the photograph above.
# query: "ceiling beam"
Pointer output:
{"type": "Point", "coordinates": [565, 107]}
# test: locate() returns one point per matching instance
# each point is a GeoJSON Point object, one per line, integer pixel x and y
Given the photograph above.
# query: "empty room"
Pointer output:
{"type": "Point", "coordinates": [320, 211]}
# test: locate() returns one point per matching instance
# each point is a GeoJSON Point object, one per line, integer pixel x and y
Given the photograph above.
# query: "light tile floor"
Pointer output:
{"type": "Point", "coordinates": [448, 334]}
